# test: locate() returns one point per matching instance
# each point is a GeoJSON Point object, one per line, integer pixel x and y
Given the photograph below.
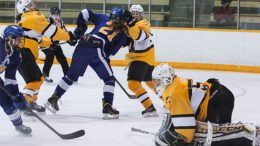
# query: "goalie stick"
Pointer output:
{"type": "Point", "coordinates": [73, 135]}
{"type": "Point", "coordinates": [142, 131]}
{"type": "Point", "coordinates": [196, 143]}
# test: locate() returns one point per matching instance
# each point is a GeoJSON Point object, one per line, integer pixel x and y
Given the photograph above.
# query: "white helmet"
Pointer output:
{"type": "Point", "coordinates": [22, 6]}
{"type": "Point", "coordinates": [137, 9]}
{"type": "Point", "coordinates": [163, 74]}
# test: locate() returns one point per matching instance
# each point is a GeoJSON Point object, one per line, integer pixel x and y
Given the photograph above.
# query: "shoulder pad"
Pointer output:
{"type": "Point", "coordinates": [145, 25]}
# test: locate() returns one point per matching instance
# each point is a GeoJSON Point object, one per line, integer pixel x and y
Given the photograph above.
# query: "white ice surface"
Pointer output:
{"type": "Point", "coordinates": [81, 109]}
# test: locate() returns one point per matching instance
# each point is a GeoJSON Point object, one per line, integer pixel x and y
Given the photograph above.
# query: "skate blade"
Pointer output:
{"type": "Point", "coordinates": [151, 115]}
{"type": "Point", "coordinates": [48, 106]}
{"type": "Point", "coordinates": [40, 113]}
{"type": "Point", "coordinates": [24, 134]}
{"type": "Point", "coordinates": [48, 81]}
{"type": "Point", "coordinates": [110, 117]}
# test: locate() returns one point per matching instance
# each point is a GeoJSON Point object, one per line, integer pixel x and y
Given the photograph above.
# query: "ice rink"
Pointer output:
{"type": "Point", "coordinates": [81, 109]}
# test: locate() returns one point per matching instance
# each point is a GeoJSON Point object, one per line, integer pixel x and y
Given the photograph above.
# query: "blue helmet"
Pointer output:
{"type": "Point", "coordinates": [14, 31]}
{"type": "Point", "coordinates": [117, 13]}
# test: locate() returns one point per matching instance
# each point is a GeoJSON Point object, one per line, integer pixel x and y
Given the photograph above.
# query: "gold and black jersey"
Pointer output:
{"type": "Point", "coordinates": [186, 103]}
{"type": "Point", "coordinates": [141, 48]}
{"type": "Point", "coordinates": [37, 26]}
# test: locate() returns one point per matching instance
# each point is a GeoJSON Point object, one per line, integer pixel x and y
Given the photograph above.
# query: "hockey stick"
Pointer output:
{"type": "Point", "coordinates": [142, 131]}
{"type": "Point", "coordinates": [61, 43]}
{"type": "Point", "coordinates": [73, 135]}
{"type": "Point", "coordinates": [76, 134]}
{"type": "Point", "coordinates": [129, 95]}
{"type": "Point", "coordinates": [151, 133]}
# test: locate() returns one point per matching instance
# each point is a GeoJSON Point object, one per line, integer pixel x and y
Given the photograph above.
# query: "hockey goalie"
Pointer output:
{"type": "Point", "coordinates": [198, 114]}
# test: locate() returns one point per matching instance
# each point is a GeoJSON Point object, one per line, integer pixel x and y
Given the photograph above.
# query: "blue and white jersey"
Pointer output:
{"type": "Point", "coordinates": [11, 62]}
{"type": "Point", "coordinates": [112, 40]}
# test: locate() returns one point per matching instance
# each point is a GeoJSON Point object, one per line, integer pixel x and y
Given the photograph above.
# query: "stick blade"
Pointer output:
{"type": "Point", "coordinates": [73, 135]}
{"type": "Point", "coordinates": [132, 97]}
{"type": "Point", "coordinates": [133, 129]}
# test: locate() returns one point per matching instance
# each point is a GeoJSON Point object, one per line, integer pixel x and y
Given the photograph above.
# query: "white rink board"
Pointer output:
{"type": "Point", "coordinates": [199, 46]}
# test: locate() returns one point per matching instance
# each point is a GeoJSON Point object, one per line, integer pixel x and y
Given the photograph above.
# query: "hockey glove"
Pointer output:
{"type": "Point", "coordinates": [80, 31]}
{"type": "Point", "coordinates": [54, 45]}
{"type": "Point", "coordinates": [2, 68]}
{"type": "Point", "coordinates": [130, 20]}
{"type": "Point", "coordinates": [20, 102]}
{"type": "Point", "coordinates": [73, 40]}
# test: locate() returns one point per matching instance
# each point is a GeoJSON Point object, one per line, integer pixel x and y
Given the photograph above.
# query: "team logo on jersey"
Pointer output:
{"type": "Point", "coordinates": [168, 99]}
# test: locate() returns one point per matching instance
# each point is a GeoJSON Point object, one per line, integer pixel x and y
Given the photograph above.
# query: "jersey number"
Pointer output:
{"type": "Point", "coordinates": [106, 29]}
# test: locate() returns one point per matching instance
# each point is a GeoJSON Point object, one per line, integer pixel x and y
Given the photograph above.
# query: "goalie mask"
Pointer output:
{"type": "Point", "coordinates": [162, 76]}
{"type": "Point", "coordinates": [137, 11]}
{"type": "Point", "coordinates": [25, 6]}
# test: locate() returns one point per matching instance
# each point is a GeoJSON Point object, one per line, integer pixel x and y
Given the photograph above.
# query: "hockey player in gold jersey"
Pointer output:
{"type": "Point", "coordinates": [38, 32]}
{"type": "Point", "coordinates": [141, 56]}
{"type": "Point", "coordinates": [188, 102]}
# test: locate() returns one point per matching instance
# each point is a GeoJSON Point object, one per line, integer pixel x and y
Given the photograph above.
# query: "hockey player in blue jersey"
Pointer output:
{"type": "Point", "coordinates": [94, 49]}
{"type": "Point", "coordinates": [9, 61]}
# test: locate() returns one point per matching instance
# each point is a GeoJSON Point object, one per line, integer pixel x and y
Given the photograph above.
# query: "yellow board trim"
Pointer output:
{"type": "Point", "coordinates": [172, 28]}
{"type": "Point", "coordinates": [185, 65]}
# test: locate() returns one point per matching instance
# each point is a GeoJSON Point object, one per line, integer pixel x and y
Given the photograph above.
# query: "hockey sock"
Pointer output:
{"type": "Point", "coordinates": [145, 100]}
{"type": "Point", "coordinates": [31, 90]}
{"type": "Point", "coordinates": [108, 91]}
{"type": "Point", "coordinates": [14, 116]}
{"type": "Point", "coordinates": [63, 86]}
{"type": "Point", "coordinates": [140, 93]}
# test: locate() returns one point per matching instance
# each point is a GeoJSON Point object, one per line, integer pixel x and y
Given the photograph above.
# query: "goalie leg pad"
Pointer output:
{"type": "Point", "coordinates": [233, 142]}
{"type": "Point", "coordinates": [231, 134]}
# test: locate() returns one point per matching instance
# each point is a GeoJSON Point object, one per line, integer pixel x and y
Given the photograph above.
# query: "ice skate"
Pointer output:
{"type": "Point", "coordinates": [47, 78]}
{"type": "Point", "coordinates": [23, 129]}
{"type": "Point", "coordinates": [150, 112]}
{"type": "Point", "coordinates": [52, 104]}
{"type": "Point", "coordinates": [109, 112]}
{"type": "Point", "coordinates": [35, 107]}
